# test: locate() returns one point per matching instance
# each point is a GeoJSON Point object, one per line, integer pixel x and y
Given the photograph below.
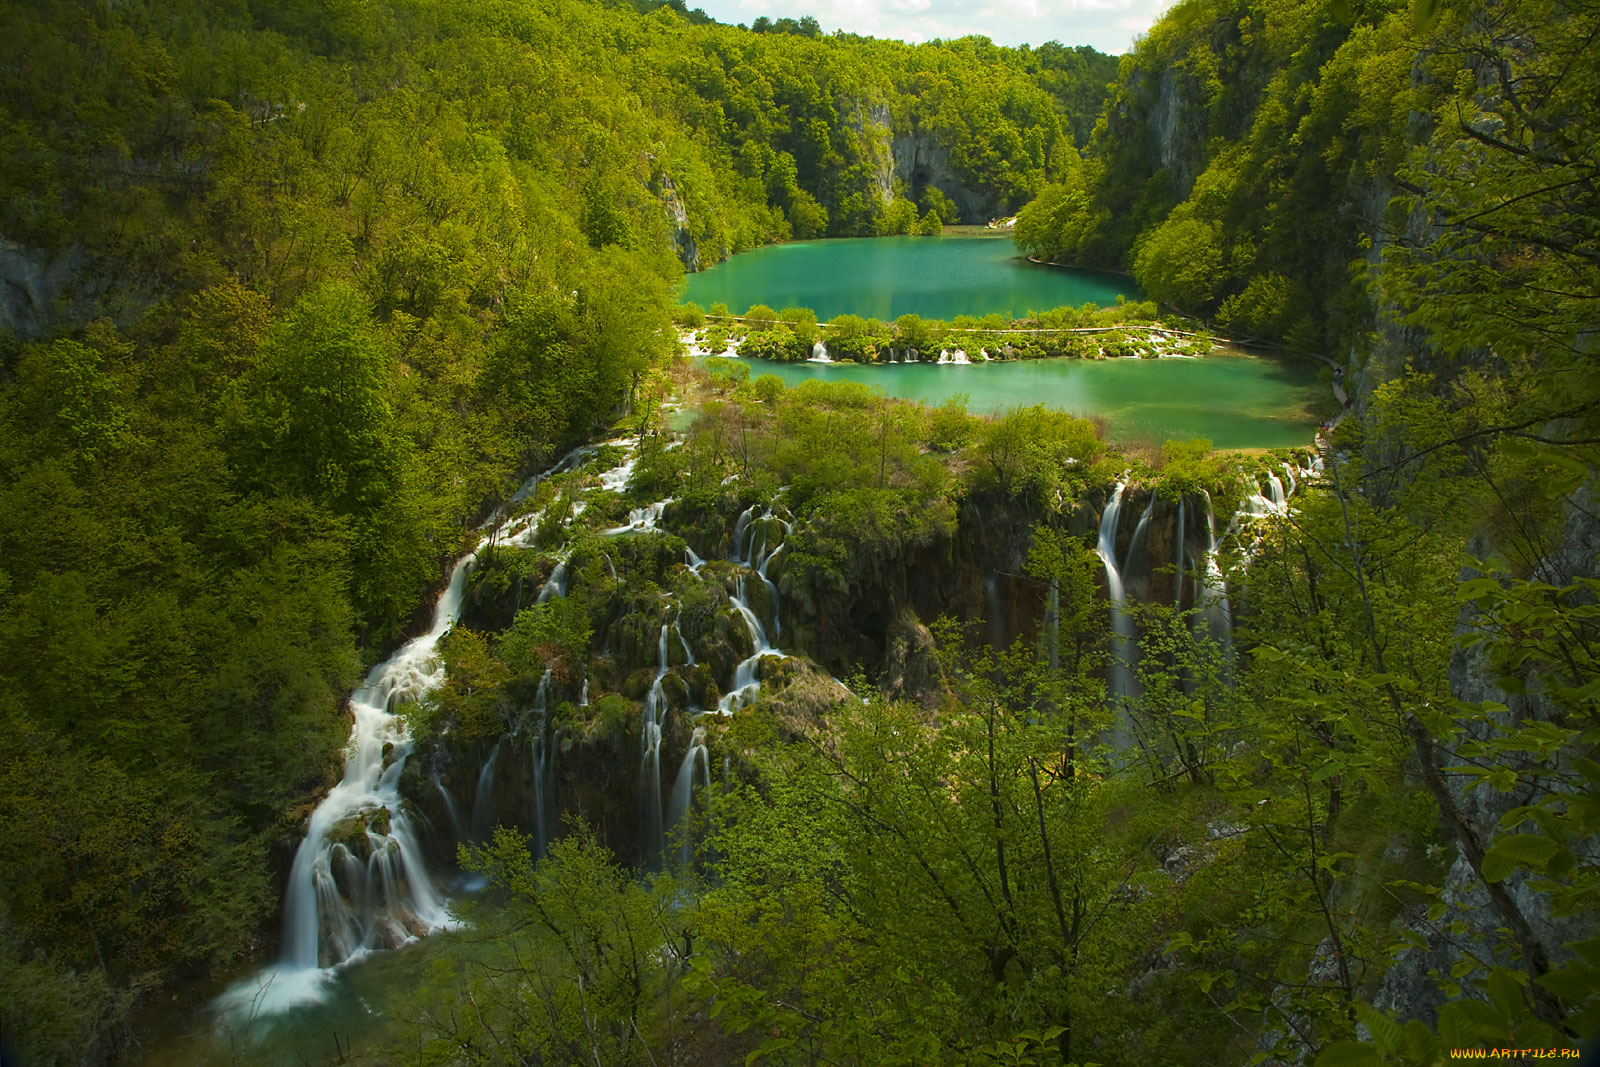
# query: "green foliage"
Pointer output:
{"type": "Point", "coordinates": [1190, 467]}
{"type": "Point", "coordinates": [900, 217]}
{"type": "Point", "coordinates": [936, 203]}
{"type": "Point", "coordinates": [1179, 264]}
{"type": "Point", "coordinates": [1234, 159]}
{"type": "Point", "coordinates": [950, 428]}
{"type": "Point", "coordinates": [1034, 453]}
{"type": "Point", "coordinates": [760, 317]}
{"type": "Point", "coordinates": [581, 950]}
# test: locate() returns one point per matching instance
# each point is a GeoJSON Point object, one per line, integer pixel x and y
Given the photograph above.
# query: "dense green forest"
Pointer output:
{"type": "Point", "coordinates": [297, 294]}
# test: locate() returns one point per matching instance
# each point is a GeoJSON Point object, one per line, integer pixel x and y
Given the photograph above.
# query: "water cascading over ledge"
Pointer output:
{"type": "Point", "coordinates": [1173, 557]}
{"type": "Point", "coordinates": [340, 905]}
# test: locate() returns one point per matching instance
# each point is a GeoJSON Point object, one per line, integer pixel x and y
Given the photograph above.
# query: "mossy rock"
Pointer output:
{"type": "Point", "coordinates": [352, 832]}
{"type": "Point", "coordinates": [699, 604]}
{"type": "Point", "coordinates": [638, 684]}
{"type": "Point", "coordinates": [634, 638]}
{"type": "Point", "coordinates": [651, 555]}
{"type": "Point", "coordinates": [676, 691]}
{"type": "Point", "coordinates": [608, 718]}
{"type": "Point", "coordinates": [702, 683]}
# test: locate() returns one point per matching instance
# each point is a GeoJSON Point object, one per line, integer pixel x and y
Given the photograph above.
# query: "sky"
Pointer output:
{"type": "Point", "coordinates": [1109, 25]}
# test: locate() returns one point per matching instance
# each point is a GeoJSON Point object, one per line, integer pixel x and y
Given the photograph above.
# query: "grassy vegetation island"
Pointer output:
{"type": "Point", "coordinates": [1090, 332]}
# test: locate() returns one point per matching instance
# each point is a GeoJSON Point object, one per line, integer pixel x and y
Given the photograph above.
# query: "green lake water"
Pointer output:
{"type": "Point", "coordinates": [1234, 400]}
{"type": "Point", "coordinates": [886, 277]}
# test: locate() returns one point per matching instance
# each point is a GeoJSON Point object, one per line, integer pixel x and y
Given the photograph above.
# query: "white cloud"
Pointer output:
{"type": "Point", "coordinates": [1109, 25]}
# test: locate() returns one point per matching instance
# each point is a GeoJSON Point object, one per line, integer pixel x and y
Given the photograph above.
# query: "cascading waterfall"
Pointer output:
{"type": "Point", "coordinates": [457, 828]}
{"type": "Point", "coordinates": [756, 543]}
{"type": "Point", "coordinates": [392, 898]}
{"type": "Point", "coordinates": [1121, 677]}
{"type": "Point", "coordinates": [1136, 542]}
{"type": "Point", "coordinates": [1177, 574]}
{"type": "Point", "coordinates": [556, 585]}
{"type": "Point", "coordinates": [483, 798]}
{"type": "Point", "coordinates": [739, 527]}
{"type": "Point", "coordinates": [642, 519]}
{"type": "Point", "coordinates": [651, 832]}
{"type": "Point", "coordinates": [696, 758]}
{"type": "Point", "coordinates": [544, 751]}
{"type": "Point", "coordinates": [772, 588]}
{"type": "Point", "coordinates": [1279, 501]}
{"type": "Point", "coordinates": [819, 354]}
{"type": "Point", "coordinates": [745, 683]}
{"type": "Point", "coordinates": [1214, 598]}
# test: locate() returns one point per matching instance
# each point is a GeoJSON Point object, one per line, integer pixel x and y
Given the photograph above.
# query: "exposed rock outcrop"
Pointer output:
{"type": "Point", "coordinates": [920, 161]}
{"type": "Point", "coordinates": [682, 237]}
{"type": "Point", "coordinates": [35, 288]}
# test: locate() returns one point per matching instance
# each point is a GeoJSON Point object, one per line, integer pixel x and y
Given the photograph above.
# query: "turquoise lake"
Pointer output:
{"type": "Point", "coordinates": [1234, 400]}
{"type": "Point", "coordinates": [886, 277]}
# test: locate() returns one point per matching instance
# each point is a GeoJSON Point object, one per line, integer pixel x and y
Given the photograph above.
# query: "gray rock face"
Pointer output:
{"type": "Point", "coordinates": [34, 288]}
{"type": "Point", "coordinates": [1407, 989]}
{"type": "Point", "coordinates": [682, 239]}
{"type": "Point", "coordinates": [920, 161]}
{"type": "Point", "coordinates": [1172, 121]}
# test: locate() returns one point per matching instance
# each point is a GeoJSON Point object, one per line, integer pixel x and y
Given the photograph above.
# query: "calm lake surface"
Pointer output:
{"type": "Point", "coordinates": [886, 277]}
{"type": "Point", "coordinates": [1234, 400]}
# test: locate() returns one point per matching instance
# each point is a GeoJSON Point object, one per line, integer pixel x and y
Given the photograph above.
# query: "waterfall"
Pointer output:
{"type": "Point", "coordinates": [772, 589]}
{"type": "Point", "coordinates": [1279, 500]}
{"type": "Point", "coordinates": [683, 793]}
{"type": "Point", "coordinates": [1288, 472]}
{"type": "Point", "coordinates": [483, 799]}
{"type": "Point", "coordinates": [739, 527]}
{"type": "Point", "coordinates": [1121, 678]}
{"type": "Point", "coordinates": [692, 561]}
{"type": "Point", "coordinates": [394, 899]}
{"type": "Point", "coordinates": [556, 585]}
{"type": "Point", "coordinates": [819, 354]}
{"type": "Point", "coordinates": [745, 683]}
{"type": "Point", "coordinates": [1219, 616]}
{"type": "Point", "coordinates": [616, 479]}
{"type": "Point", "coordinates": [1255, 504]}
{"type": "Point", "coordinates": [457, 828]}
{"type": "Point", "coordinates": [1137, 540]}
{"type": "Point", "coordinates": [642, 519]}
{"type": "Point", "coordinates": [997, 625]}
{"type": "Point", "coordinates": [651, 832]}
{"type": "Point", "coordinates": [1177, 574]}
{"type": "Point", "coordinates": [543, 755]}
